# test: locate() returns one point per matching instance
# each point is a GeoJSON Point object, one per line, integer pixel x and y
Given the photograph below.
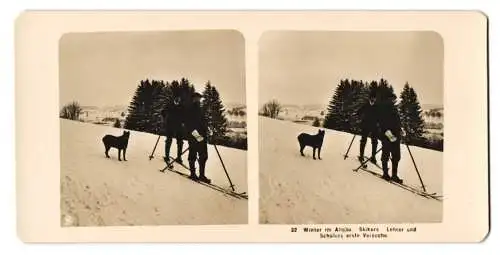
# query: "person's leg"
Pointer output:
{"type": "Point", "coordinates": [203, 154]}
{"type": "Point", "coordinates": [396, 156]}
{"type": "Point", "coordinates": [168, 143]}
{"type": "Point", "coordinates": [374, 140]}
{"type": "Point", "coordinates": [180, 143]}
{"type": "Point", "coordinates": [364, 135]}
{"type": "Point", "coordinates": [192, 157]}
{"type": "Point", "coordinates": [385, 158]}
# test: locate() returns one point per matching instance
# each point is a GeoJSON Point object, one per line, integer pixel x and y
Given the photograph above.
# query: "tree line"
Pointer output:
{"type": "Point", "coordinates": [350, 95]}
{"type": "Point", "coordinates": [151, 97]}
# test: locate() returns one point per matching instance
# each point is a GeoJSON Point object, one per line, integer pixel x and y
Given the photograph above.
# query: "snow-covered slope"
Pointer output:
{"type": "Point", "coordinates": [96, 190]}
{"type": "Point", "coordinates": [300, 190]}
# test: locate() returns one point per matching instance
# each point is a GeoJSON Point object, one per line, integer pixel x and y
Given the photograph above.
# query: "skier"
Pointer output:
{"type": "Point", "coordinates": [173, 124]}
{"type": "Point", "coordinates": [368, 114]}
{"type": "Point", "coordinates": [390, 126]}
{"type": "Point", "coordinates": [197, 133]}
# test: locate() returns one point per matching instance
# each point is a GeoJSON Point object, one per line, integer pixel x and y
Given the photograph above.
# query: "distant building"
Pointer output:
{"type": "Point", "coordinates": [308, 117]}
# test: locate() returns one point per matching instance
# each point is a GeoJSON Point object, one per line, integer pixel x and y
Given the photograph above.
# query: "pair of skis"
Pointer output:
{"type": "Point", "coordinates": [414, 190]}
{"type": "Point", "coordinates": [363, 166]}
{"type": "Point", "coordinates": [225, 191]}
{"type": "Point", "coordinates": [170, 167]}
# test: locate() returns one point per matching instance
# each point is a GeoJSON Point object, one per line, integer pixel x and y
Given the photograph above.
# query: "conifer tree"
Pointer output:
{"type": "Point", "coordinates": [411, 114]}
{"type": "Point", "coordinates": [358, 97]}
{"type": "Point", "coordinates": [338, 109]}
{"type": "Point", "coordinates": [214, 111]}
{"type": "Point", "coordinates": [160, 98]}
{"type": "Point", "coordinates": [142, 108]}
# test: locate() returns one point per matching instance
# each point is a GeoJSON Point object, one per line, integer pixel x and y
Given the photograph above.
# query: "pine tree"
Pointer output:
{"type": "Point", "coordinates": [358, 97]}
{"type": "Point", "coordinates": [411, 114]}
{"type": "Point", "coordinates": [214, 111]}
{"type": "Point", "coordinates": [159, 98]}
{"type": "Point", "coordinates": [373, 87]}
{"type": "Point", "coordinates": [142, 110]}
{"type": "Point", "coordinates": [340, 107]}
{"type": "Point", "coordinates": [186, 89]}
{"type": "Point", "coordinates": [386, 93]}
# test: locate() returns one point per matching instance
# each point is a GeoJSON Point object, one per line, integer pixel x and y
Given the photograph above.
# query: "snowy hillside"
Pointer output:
{"type": "Point", "coordinates": [96, 190]}
{"type": "Point", "coordinates": [104, 115]}
{"type": "Point", "coordinates": [300, 190]}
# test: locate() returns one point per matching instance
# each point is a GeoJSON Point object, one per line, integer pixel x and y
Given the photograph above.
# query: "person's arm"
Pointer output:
{"type": "Point", "coordinates": [196, 129]}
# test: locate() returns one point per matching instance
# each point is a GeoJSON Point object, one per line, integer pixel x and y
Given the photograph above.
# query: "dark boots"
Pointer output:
{"type": "Point", "coordinates": [394, 176]}
{"type": "Point", "coordinates": [167, 160]}
{"type": "Point", "coordinates": [362, 146]}
{"type": "Point", "coordinates": [202, 177]}
{"type": "Point", "coordinates": [193, 171]}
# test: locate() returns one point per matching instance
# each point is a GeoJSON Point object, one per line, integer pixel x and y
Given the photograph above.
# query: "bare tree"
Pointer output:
{"type": "Point", "coordinates": [71, 111]}
{"type": "Point", "coordinates": [272, 109]}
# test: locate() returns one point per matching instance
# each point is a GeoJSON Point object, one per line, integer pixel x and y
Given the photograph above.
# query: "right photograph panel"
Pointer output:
{"type": "Point", "coordinates": [351, 127]}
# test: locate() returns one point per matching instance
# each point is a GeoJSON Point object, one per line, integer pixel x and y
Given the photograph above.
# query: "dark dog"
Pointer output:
{"type": "Point", "coordinates": [314, 141]}
{"type": "Point", "coordinates": [118, 142]}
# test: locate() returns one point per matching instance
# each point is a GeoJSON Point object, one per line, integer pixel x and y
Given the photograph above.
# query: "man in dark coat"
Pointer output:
{"type": "Point", "coordinates": [368, 114]}
{"type": "Point", "coordinates": [390, 127]}
{"type": "Point", "coordinates": [197, 135]}
{"type": "Point", "coordinates": [173, 123]}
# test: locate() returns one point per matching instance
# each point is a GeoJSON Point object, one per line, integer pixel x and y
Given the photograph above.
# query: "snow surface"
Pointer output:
{"type": "Point", "coordinates": [97, 191]}
{"type": "Point", "coordinates": [300, 190]}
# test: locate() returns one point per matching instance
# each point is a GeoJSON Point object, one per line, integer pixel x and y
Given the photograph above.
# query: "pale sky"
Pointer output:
{"type": "Point", "coordinates": [305, 67]}
{"type": "Point", "coordinates": [102, 69]}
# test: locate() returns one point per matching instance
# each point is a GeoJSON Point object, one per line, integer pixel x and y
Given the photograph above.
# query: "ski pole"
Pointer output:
{"type": "Point", "coordinates": [416, 169]}
{"type": "Point", "coordinates": [411, 156]}
{"type": "Point", "coordinates": [347, 152]}
{"type": "Point", "coordinates": [223, 166]}
{"type": "Point", "coordinates": [366, 161]}
{"type": "Point", "coordinates": [151, 156]}
{"type": "Point", "coordinates": [175, 159]}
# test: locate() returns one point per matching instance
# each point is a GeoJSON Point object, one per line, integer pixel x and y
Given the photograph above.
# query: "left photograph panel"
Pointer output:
{"type": "Point", "coordinates": [153, 128]}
